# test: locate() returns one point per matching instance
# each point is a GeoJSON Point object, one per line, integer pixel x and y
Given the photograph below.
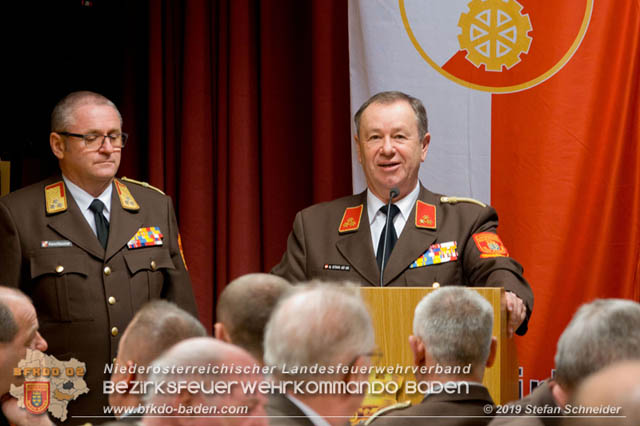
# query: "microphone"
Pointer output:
{"type": "Point", "coordinates": [393, 193]}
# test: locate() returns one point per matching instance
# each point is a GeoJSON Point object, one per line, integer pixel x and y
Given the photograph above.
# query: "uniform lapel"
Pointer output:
{"type": "Point", "coordinates": [413, 241]}
{"type": "Point", "coordinates": [123, 225]}
{"type": "Point", "coordinates": [357, 247]}
{"type": "Point", "coordinates": [72, 225]}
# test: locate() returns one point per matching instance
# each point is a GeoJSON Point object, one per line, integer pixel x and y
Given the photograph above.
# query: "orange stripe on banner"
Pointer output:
{"type": "Point", "coordinates": [565, 179]}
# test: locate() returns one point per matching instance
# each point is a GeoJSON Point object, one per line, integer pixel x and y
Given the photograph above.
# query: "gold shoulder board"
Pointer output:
{"type": "Point", "coordinates": [145, 184]}
{"type": "Point", "coordinates": [386, 409]}
{"type": "Point", "coordinates": [455, 200]}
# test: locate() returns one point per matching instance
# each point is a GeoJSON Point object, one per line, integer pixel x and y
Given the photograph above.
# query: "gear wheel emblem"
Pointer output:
{"type": "Point", "coordinates": [494, 33]}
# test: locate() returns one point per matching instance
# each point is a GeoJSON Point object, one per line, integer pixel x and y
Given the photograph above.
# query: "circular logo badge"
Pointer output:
{"type": "Point", "coordinates": [497, 46]}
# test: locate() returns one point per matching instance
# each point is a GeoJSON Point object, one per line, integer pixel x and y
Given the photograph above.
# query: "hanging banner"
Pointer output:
{"type": "Point", "coordinates": [533, 108]}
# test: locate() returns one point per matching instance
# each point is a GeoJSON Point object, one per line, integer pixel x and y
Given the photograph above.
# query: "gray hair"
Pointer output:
{"type": "Point", "coordinates": [455, 324]}
{"type": "Point", "coordinates": [600, 333]}
{"type": "Point", "coordinates": [390, 97]}
{"type": "Point", "coordinates": [157, 326]}
{"type": "Point", "coordinates": [245, 306]}
{"type": "Point", "coordinates": [8, 325]}
{"type": "Point", "coordinates": [62, 116]}
{"type": "Point", "coordinates": [318, 324]}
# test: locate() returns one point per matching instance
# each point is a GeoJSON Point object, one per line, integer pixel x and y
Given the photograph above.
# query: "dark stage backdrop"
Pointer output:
{"type": "Point", "coordinates": [238, 109]}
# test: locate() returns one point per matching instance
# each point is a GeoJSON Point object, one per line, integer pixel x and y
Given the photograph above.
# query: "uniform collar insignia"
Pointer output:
{"type": "Point", "coordinates": [55, 197]}
{"type": "Point", "coordinates": [351, 219]}
{"type": "Point", "coordinates": [126, 199]}
{"type": "Point", "coordinates": [425, 215]}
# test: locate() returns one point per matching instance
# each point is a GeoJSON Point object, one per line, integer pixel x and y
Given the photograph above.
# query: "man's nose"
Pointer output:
{"type": "Point", "coordinates": [387, 146]}
{"type": "Point", "coordinates": [107, 146]}
{"type": "Point", "coordinates": [39, 343]}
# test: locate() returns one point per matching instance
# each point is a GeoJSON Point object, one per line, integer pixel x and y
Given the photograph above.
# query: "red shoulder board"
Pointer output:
{"type": "Point", "coordinates": [425, 215]}
{"type": "Point", "coordinates": [351, 219]}
{"type": "Point", "coordinates": [490, 245]}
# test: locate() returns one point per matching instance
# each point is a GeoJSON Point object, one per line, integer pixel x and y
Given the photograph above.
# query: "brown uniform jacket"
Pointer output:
{"type": "Point", "coordinates": [85, 295]}
{"type": "Point", "coordinates": [540, 399]}
{"type": "Point", "coordinates": [316, 249]}
{"type": "Point", "coordinates": [283, 412]}
{"type": "Point", "coordinates": [443, 409]}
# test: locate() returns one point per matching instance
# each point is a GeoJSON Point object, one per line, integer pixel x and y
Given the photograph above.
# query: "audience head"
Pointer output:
{"type": "Point", "coordinates": [599, 334]}
{"type": "Point", "coordinates": [209, 354]}
{"type": "Point", "coordinates": [615, 387]}
{"type": "Point", "coordinates": [321, 324]}
{"type": "Point", "coordinates": [18, 332]}
{"type": "Point", "coordinates": [156, 327]}
{"type": "Point", "coordinates": [244, 308]}
{"type": "Point", "coordinates": [452, 326]}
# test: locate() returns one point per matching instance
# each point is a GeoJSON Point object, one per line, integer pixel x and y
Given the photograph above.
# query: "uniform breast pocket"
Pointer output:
{"type": "Point", "coordinates": [148, 267]}
{"type": "Point", "coordinates": [60, 286]}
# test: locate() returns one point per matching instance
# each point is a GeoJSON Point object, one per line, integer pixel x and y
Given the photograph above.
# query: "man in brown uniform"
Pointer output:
{"type": "Point", "coordinates": [444, 240]}
{"type": "Point", "coordinates": [90, 249]}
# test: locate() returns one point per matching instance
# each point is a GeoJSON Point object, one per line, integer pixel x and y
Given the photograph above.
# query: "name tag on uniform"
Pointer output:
{"type": "Point", "coordinates": [437, 253]}
{"type": "Point", "coordinates": [55, 243]}
{"type": "Point", "coordinates": [146, 237]}
{"type": "Point", "coordinates": [334, 267]}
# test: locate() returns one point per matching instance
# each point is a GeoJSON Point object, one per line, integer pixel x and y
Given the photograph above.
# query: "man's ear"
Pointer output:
{"type": "Point", "coordinates": [357, 142]}
{"type": "Point", "coordinates": [131, 375]}
{"type": "Point", "coordinates": [56, 142]}
{"type": "Point", "coordinates": [418, 349]}
{"type": "Point", "coordinates": [560, 396]}
{"type": "Point", "coordinates": [493, 349]}
{"type": "Point", "coordinates": [362, 363]}
{"type": "Point", "coordinates": [425, 145]}
{"type": "Point", "coordinates": [220, 332]}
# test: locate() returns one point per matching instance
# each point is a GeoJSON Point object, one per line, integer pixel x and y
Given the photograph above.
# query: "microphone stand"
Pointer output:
{"type": "Point", "coordinates": [392, 194]}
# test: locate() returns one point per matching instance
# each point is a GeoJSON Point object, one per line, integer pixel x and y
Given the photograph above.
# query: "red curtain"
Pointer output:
{"type": "Point", "coordinates": [248, 123]}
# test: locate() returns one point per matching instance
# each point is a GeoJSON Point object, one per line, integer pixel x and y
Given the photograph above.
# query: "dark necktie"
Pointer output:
{"type": "Point", "coordinates": [393, 237]}
{"type": "Point", "coordinates": [102, 226]}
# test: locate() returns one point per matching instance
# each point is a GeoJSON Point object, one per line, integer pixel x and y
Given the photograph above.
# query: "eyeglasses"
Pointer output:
{"type": "Point", "coordinates": [94, 141]}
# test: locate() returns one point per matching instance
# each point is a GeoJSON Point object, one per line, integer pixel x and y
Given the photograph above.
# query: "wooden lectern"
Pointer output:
{"type": "Point", "coordinates": [392, 311]}
{"type": "Point", "coordinates": [4, 178]}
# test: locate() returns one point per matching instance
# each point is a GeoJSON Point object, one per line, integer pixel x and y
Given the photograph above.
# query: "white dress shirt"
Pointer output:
{"type": "Point", "coordinates": [84, 199]}
{"type": "Point", "coordinates": [377, 219]}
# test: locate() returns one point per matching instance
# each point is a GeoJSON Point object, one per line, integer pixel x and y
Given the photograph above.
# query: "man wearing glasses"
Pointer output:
{"type": "Point", "coordinates": [88, 248]}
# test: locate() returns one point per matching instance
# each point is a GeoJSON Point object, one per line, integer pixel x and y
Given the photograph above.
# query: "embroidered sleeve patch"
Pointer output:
{"type": "Point", "coordinates": [437, 253]}
{"type": "Point", "coordinates": [490, 245]}
{"type": "Point", "coordinates": [146, 237]}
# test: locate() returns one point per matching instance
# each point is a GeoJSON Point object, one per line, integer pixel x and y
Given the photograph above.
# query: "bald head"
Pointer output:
{"type": "Point", "coordinates": [18, 332]}
{"type": "Point", "coordinates": [244, 308]}
{"type": "Point", "coordinates": [616, 386]}
{"type": "Point", "coordinates": [206, 362]}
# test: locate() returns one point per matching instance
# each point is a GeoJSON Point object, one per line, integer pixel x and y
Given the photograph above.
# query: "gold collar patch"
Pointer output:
{"type": "Point", "coordinates": [55, 197]}
{"type": "Point", "coordinates": [126, 199]}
